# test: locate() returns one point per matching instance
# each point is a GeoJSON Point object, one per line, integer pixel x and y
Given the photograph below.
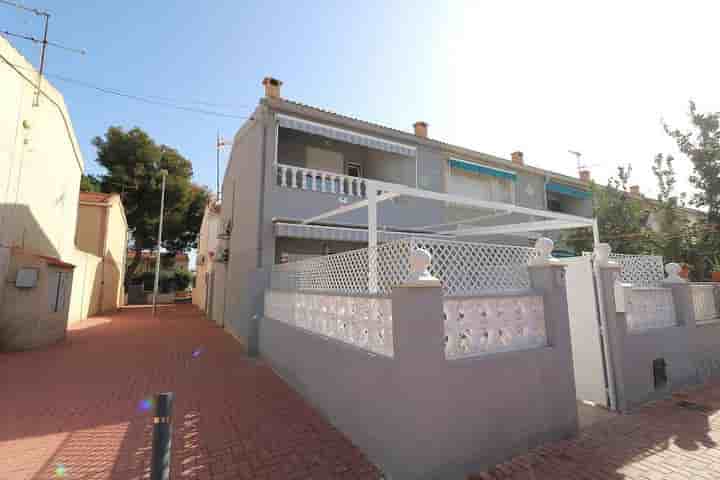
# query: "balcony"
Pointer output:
{"type": "Point", "coordinates": [342, 165]}
{"type": "Point", "coordinates": [320, 181]}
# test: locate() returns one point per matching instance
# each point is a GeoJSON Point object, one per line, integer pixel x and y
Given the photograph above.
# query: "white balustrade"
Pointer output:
{"type": "Point", "coordinates": [478, 326]}
{"type": "Point", "coordinates": [648, 308]}
{"type": "Point", "coordinates": [364, 322]}
{"type": "Point", "coordinates": [290, 176]}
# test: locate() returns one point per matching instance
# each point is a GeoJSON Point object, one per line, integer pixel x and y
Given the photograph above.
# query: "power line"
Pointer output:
{"type": "Point", "coordinates": [149, 99]}
{"type": "Point", "coordinates": [144, 99]}
{"type": "Point", "coordinates": [23, 7]}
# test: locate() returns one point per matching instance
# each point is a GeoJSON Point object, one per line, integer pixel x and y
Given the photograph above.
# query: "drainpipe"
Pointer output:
{"type": "Point", "coordinates": [103, 257]}
{"type": "Point", "coordinates": [602, 327]}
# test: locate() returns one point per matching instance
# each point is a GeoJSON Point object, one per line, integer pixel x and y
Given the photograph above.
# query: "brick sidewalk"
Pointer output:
{"type": "Point", "coordinates": [659, 441]}
{"type": "Point", "coordinates": [75, 410]}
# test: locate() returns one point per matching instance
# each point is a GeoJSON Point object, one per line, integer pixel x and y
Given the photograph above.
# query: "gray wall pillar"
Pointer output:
{"type": "Point", "coordinates": [615, 328]}
{"type": "Point", "coordinates": [682, 298]}
{"type": "Point", "coordinates": [419, 358]}
{"type": "Point", "coordinates": [548, 278]}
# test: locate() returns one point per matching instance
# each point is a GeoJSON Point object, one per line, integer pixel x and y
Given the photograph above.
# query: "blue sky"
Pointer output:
{"type": "Point", "coordinates": [218, 52]}
{"type": "Point", "coordinates": [542, 77]}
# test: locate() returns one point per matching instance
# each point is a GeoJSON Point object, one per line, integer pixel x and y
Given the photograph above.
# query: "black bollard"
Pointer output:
{"type": "Point", "coordinates": [162, 437]}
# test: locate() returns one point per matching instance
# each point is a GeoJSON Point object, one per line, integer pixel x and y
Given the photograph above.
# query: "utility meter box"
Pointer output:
{"type": "Point", "coordinates": [26, 278]}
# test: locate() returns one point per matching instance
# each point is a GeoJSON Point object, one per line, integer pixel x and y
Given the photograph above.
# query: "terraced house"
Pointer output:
{"type": "Point", "coordinates": [290, 162]}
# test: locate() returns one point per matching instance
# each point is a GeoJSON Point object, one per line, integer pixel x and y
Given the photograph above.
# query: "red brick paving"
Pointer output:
{"type": "Point", "coordinates": [659, 441]}
{"type": "Point", "coordinates": [73, 410]}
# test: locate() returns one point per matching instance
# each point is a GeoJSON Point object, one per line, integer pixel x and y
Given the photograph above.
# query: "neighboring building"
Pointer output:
{"type": "Point", "coordinates": [651, 206]}
{"type": "Point", "coordinates": [40, 170]}
{"type": "Point", "coordinates": [147, 262]}
{"type": "Point", "coordinates": [206, 252]}
{"type": "Point", "coordinates": [102, 233]}
{"type": "Point", "coordinates": [290, 162]}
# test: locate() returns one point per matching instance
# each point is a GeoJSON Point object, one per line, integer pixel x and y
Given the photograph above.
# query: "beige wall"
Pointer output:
{"type": "Point", "coordinates": [40, 163]}
{"type": "Point", "coordinates": [26, 319]}
{"type": "Point", "coordinates": [100, 259]}
{"type": "Point", "coordinates": [90, 236]}
{"type": "Point", "coordinates": [207, 242]}
{"type": "Point", "coordinates": [40, 170]}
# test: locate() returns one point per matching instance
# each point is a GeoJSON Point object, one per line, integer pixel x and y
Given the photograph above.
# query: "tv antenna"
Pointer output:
{"type": "Point", "coordinates": [43, 43]}
{"type": "Point", "coordinates": [219, 144]}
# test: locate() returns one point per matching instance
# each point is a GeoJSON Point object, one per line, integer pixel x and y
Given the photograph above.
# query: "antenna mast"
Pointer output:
{"type": "Point", "coordinates": [43, 43]}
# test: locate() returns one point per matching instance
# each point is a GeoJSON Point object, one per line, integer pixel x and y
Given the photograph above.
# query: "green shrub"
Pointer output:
{"type": "Point", "coordinates": [183, 279]}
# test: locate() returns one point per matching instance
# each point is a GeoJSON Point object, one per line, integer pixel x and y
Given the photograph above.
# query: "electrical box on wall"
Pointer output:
{"type": "Point", "coordinates": [26, 278]}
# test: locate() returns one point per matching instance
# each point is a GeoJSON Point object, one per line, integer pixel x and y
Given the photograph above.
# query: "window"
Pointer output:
{"type": "Point", "coordinates": [554, 204]}
{"type": "Point", "coordinates": [354, 170]}
{"type": "Point", "coordinates": [56, 290]}
{"type": "Point", "coordinates": [481, 186]}
{"type": "Point", "coordinates": [660, 378]}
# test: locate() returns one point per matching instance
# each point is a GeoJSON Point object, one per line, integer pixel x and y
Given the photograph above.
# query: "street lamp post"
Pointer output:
{"type": "Point", "coordinates": [164, 174]}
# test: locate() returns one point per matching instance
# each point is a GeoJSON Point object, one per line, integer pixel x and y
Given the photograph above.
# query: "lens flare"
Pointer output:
{"type": "Point", "coordinates": [60, 470]}
{"type": "Point", "coordinates": [146, 404]}
{"type": "Point", "coordinates": [196, 353]}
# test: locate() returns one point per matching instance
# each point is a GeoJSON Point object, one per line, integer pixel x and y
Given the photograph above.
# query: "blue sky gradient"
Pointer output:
{"type": "Point", "coordinates": [340, 57]}
{"type": "Point", "coordinates": [542, 77]}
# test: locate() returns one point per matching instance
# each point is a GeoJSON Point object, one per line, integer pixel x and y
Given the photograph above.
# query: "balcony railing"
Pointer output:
{"type": "Point", "coordinates": [320, 181]}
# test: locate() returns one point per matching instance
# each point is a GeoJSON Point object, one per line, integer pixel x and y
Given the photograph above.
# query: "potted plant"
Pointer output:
{"type": "Point", "coordinates": [685, 272]}
{"type": "Point", "coordinates": [715, 261]}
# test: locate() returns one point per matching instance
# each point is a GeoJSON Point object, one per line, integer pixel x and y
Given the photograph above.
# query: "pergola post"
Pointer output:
{"type": "Point", "coordinates": [371, 194]}
{"type": "Point", "coordinates": [596, 232]}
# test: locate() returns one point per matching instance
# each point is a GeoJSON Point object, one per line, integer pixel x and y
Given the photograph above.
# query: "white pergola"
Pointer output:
{"type": "Point", "coordinates": [542, 220]}
{"type": "Point", "coordinates": [378, 192]}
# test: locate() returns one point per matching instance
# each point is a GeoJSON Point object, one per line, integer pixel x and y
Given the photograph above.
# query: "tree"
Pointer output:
{"type": "Point", "coordinates": [133, 162]}
{"type": "Point", "coordinates": [90, 183]}
{"type": "Point", "coordinates": [673, 237]}
{"type": "Point", "coordinates": [620, 219]}
{"type": "Point", "coordinates": [702, 146]}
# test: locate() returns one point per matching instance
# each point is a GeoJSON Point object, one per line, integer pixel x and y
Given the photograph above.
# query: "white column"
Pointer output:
{"type": "Point", "coordinates": [596, 232]}
{"type": "Point", "coordinates": [372, 236]}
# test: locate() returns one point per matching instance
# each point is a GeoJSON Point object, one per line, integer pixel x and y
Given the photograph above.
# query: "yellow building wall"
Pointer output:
{"type": "Point", "coordinates": [40, 162]}
{"type": "Point", "coordinates": [98, 281]}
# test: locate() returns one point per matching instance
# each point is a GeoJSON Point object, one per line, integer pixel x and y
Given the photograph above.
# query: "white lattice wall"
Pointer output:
{"type": "Point", "coordinates": [639, 270]}
{"type": "Point", "coordinates": [364, 322]}
{"type": "Point", "coordinates": [648, 308]}
{"type": "Point", "coordinates": [705, 300]}
{"type": "Point", "coordinates": [464, 268]}
{"type": "Point", "coordinates": [483, 325]}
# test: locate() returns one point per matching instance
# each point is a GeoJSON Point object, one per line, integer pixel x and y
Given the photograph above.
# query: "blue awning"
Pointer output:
{"type": "Point", "coordinates": [482, 169]}
{"type": "Point", "coordinates": [567, 190]}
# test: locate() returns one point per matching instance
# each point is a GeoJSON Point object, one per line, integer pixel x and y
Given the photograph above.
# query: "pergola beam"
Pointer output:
{"type": "Point", "coordinates": [520, 227]}
{"type": "Point", "coordinates": [351, 207]}
{"type": "Point", "coordinates": [471, 202]}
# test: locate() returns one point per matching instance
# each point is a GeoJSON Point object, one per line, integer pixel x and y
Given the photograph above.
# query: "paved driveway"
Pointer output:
{"type": "Point", "coordinates": [79, 409]}
{"type": "Point", "coordinates": [674, 439]}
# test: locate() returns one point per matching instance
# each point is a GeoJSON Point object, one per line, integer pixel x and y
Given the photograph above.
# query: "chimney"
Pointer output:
{"type": "Point", "coordinates": [585, 175]}
{"type": "Point", "coordinates": [421, 129]}
{"type": "Point", "coordinates": [272, 87]}
{"type": "Point", "coordinates": [517, 157]}
{"type": "Point", "coordinates": [635, 189]}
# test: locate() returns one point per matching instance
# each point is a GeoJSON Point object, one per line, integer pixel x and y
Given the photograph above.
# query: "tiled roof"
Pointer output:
{"type": "Point", "coordinates": [95, 197]}
{"type": "Point", "coordinates": [150, 255]}
{"type": "Point", "coordinates": [411, 137]}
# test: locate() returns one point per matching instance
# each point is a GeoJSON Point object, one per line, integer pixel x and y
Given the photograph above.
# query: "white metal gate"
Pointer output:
{"type": "Point", "coordinates": [587, 348]}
